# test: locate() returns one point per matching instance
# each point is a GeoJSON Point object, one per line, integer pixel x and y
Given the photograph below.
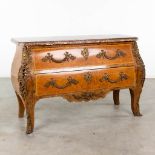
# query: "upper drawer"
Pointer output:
{"type": "Point", "coordinates": [78, 56]}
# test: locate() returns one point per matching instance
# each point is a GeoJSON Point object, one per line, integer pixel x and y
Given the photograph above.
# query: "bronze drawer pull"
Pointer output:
{"type": "Point", "coordinates": [103, 54]}
{"type": "Point", "coordinates": [53, 83]}
{"type": "Point", "coordinates": [106, 77]}
{"type": "Point", "coordinates": [49, 58]}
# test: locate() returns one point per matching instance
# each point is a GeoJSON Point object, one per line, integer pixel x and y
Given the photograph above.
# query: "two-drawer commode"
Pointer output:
{"type": "Point", "coordinates": [78, 68]}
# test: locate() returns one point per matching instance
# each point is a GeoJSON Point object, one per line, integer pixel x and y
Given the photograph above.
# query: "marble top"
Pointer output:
{"type": "Point", "coordinates": [75, 39]}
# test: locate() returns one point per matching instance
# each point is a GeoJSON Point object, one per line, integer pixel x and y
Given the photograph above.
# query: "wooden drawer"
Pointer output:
{"type": "Point", "coordinates": [78, 56]}
{"type": "Point", "coordinates": [80, 81]}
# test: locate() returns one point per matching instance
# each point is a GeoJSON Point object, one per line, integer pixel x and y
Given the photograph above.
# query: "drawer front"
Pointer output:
{"type": "Point", "coordinates": [78, 56]}
{"type": "Point", "coordinates": [80, 81]}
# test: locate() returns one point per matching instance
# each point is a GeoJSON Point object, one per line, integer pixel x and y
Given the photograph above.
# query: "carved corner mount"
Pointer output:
{"type": "Point", "coordinates": [139, 62]}
{"type": "Point", "coordinates": [26, 85]}
{"type": "Point", "coordinates": [24, 71]}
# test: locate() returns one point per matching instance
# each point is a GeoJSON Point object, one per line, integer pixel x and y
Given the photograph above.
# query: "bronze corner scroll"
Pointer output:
{"type": "Point", "coordinates": [24, 71]}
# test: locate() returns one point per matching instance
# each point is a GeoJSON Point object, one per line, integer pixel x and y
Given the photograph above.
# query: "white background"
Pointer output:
{"type": "Point", "coordinates": [26, 18]}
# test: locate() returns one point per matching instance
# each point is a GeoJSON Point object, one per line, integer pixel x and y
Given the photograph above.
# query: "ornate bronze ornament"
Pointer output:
{"type": "Point", "coordinates": [24, 71]}
{"type": "Point", "coordinates": [85, 53]}
{"type": "Point", "coordinates": [49, 58]}
{"type": "Point", "coordinates": [25, 79]}
{"type": "Point", "coordinates": [53, 83]}
{"type": "Point", "coordinates": [139, 61]}
{"type": "Point", "coordinates": [103, 54]}
{"type": "Point", "coordinates": [106, 77]}
{"type": "Point", "coordinates": [88, 77]}
{"type": "Point", "coordinates": [86, 96]}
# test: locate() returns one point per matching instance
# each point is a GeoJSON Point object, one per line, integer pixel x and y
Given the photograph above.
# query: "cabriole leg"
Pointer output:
{"type": "Point", "coordinates": [116, 97]}
{"type": "Point", "coordinates": [30, 107]}
{"type": "Point", "coordinates": [21, 106]}
{"type": "Point", "coordinates": [135, 96]}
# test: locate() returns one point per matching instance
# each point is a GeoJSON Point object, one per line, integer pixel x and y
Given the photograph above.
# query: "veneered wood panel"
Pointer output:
{"type": "Point", "coordinates": [111, 56]}
{"type": "Point", "coordinates": [83, 85]}
{"type": "Point", "coordinates": [16, 64]}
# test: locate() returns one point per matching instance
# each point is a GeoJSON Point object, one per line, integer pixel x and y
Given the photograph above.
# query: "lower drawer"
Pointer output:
{"type": "Point", "coordinates": [86, 80]}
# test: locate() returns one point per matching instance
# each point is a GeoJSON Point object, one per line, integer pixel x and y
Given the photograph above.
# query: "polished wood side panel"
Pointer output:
{"type": "Point", "coordinates": [82, 84]}
{"type": "Point", "coordinates": [93, 56]}
{"type": "Point", "coordinates": [16, 64]}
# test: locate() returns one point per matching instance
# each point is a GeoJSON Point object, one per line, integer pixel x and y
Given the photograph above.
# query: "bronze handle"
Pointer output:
{"type": "Point", "coordinates": [103, 54]}
{"type": "Point", "coordinates": [49, 58]}
{"type": "Point", "coordinates": [106, 77]}
{"type": "Point", "coordinates": [53, 83]}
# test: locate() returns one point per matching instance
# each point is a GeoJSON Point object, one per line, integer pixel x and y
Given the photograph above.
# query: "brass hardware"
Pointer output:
{"type": "Point", "coordinates": [86, 96]}
{"type": "Point", "coordinates": [139, 61]}
{"type": "Point", "coordinates": [87, 77]}
{"type": "Point", "coordinates": [85, 53]}
{"type": "Point", "coordinates": [106, 77]}
{"type": "Point", "coordinates": [53, 83]}
{"type": "Point", "coordinates": [24, 71]}
{"type": "Point", "coordinates": [103, 54]}
{"type": "Point", "coordinates": [49, 58]}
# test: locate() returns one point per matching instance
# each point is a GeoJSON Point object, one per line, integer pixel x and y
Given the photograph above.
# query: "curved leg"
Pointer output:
{"type": "Point", "coordinates": [30, 106]}
{"type": "Point", "coordinates": [21, 106]}
{"type": "Point", "coordinates": [30, 101]}
{"type": "Point", "coordinates": [135, 92]}
{"type": "Point", "coordinates": [135, 95]}
{"type": "Point", "coordinates": [116, 97]}
{"type": "Point", "coordinates": [140, 78]}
